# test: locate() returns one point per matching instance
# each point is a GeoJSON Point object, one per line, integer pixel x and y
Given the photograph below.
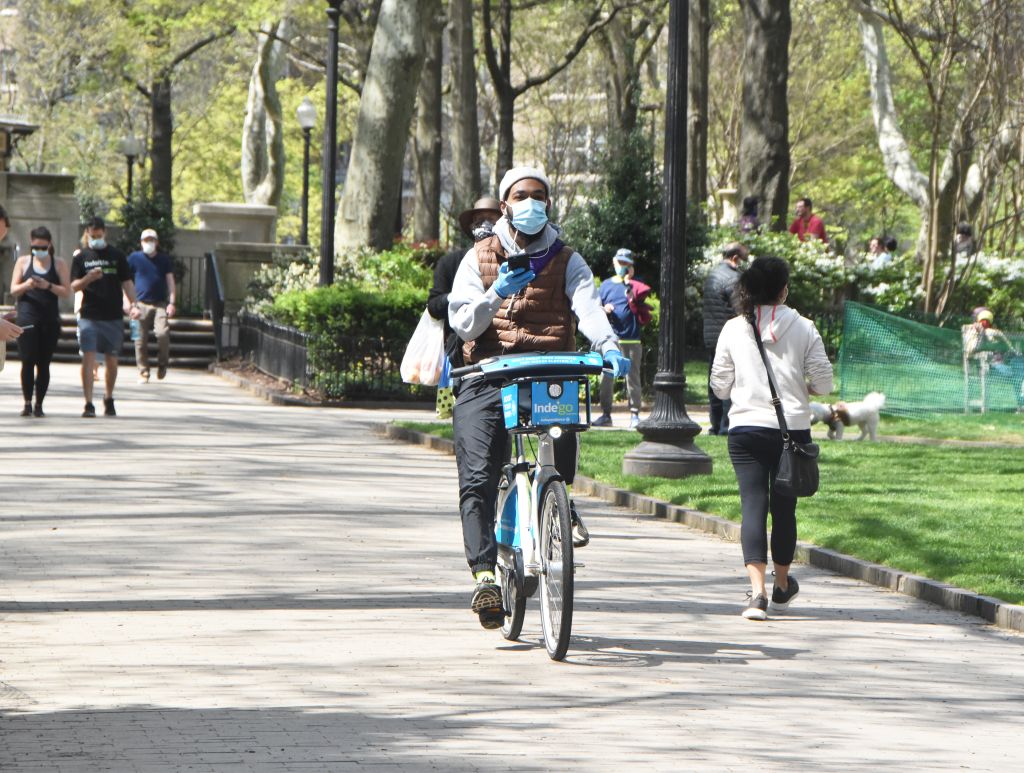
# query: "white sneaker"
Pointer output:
{"type": "Point", "coordinates": [634, 420]}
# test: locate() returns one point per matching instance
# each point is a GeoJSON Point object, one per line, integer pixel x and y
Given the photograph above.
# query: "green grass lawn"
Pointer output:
{"type": "Point", "coordinates": [951, 514]}
{"type": "Point", "coordinates": [998, 427]}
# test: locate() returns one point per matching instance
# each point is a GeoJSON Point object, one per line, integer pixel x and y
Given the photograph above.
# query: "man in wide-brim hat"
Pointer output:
{"type": "Point", "coordinates": [476, 223]}
{"type": "Point", "coordinates": [485, 210]}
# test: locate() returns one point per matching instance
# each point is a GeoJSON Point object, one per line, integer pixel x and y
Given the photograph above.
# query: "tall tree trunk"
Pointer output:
{"type": "Point", "coordinates": [506, 93]}
{"type": "Point", "coordinates": [697, 106]}
{"type": "Point", "coordinates": [427, 139]}
{"type": "Point", "coordinates": [764, 137]}
{"type": "Point", "coordinates": [623, 76]}
{"type": "Point", "coordinates": [262, 139]}
{"type": "Point", "coordinates": [161, 159]}
{"type": "Point", "coordinates": [465, 134]}
{"type": "Point", "coordinates": [506, 134]}
{"type": "Point", "coordinates": [366, 214]}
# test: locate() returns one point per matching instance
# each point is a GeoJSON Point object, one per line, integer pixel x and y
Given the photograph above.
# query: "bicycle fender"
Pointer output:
{"type": "Point", "coordinates": [545, 475]}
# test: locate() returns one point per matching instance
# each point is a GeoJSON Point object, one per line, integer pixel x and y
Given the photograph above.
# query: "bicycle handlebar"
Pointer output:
{"type": "Point", "coordinates": [511, 366]}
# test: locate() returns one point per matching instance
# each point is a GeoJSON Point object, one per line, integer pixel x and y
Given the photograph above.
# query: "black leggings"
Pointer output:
{"type": "Point", "coordinates": [755, 458]}
{"type": "Point", "coordinates": [36, 347]}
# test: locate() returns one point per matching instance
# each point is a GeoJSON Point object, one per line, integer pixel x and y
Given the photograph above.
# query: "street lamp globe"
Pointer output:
{"type": "Point", "coordinates": [131, 146]}
{"type": "Point", "coordinates": [306, 113]}
{"type": "Point", "coordinates": [307, 120]}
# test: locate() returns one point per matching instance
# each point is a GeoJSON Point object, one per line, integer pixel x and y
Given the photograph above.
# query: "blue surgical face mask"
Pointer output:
{"type": "Point", "coordinates": [97, 244]}
{"type": "Point", "coordinates": [621, 270]}
{"type": "Point", "coordinates": [41, 252]}
{"type": "Point", "coordinates": [528, 216]}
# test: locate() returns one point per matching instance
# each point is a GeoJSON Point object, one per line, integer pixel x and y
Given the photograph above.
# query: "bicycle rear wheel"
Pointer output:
{"type": "Point", "coordinates": [512, 597]}
{"type": "Point", "coordinates": [556, 587]}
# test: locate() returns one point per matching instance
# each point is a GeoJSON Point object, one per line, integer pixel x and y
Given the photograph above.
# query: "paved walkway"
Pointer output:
{"type": "Point", "coordinates": [211, 583]}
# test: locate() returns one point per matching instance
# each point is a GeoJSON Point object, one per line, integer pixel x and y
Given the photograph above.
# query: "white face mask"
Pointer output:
{"type": "Point", "coordinates": [149, 248]}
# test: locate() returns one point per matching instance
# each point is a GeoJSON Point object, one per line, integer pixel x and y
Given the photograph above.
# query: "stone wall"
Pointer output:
{"type": "Point", "coordinates": [33, 200]}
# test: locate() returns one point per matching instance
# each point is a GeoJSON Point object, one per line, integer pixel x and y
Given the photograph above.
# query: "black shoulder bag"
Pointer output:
{"type": "Point", "coordinates": [797, 475]}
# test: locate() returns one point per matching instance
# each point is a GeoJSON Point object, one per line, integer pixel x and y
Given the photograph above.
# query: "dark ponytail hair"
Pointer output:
{"type": "Point", "coordinates": [42, 232]}
{"type": "Point", "coordinates": [761, 284]}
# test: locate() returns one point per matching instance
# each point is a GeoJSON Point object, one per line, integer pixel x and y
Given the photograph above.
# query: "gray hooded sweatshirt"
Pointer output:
{"type": "Point", "coordinates": [798, 360]}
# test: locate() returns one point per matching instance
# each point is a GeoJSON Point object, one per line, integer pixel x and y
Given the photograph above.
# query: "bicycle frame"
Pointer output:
{"type": "Point", "coordinates": [547, 395]}
{"type": "Point", "coordinates": [523, 511]}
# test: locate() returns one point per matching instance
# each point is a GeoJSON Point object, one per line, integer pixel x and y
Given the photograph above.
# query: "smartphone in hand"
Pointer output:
{"type": "Point", "coordinates": [518, 261]}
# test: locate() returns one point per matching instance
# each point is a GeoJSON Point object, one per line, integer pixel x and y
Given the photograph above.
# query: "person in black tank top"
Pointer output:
{"type": "Point", "coordinates": [39, 281]}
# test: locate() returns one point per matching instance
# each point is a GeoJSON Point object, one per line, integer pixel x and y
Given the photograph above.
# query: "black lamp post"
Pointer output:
{"type": "Point", "coordinates": [132, 149]}
{"type": "Point", "coordinates": [667, 450]}
{"type": "Point", "coordinates": [307, 120]}
{"type": "Point", "coordinates": [330, 146]}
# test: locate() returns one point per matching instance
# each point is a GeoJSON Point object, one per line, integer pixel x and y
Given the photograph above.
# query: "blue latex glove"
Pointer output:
{"type": "Point", "coordinates": [618, 363]}
{"type": "Point", "coordinates": [509, 283]}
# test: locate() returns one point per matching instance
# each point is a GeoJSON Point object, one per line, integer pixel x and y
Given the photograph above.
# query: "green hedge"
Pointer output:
{"type": "Point", "coordinates": [358, 327]}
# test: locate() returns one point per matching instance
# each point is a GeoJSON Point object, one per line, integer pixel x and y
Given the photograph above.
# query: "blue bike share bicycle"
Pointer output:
{"type": "Point", "coordinates": [542, 395]}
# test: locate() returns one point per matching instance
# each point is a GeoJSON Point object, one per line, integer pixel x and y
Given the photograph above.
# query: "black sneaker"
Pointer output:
{"type": "Point", "coordinates": [757, 607]}
{"type": "Point", "coordinates": [38, 412]}
{"type": "Point", "coordinates": [604, 420]}
{"type": "Point", "coordinates": [108, 407]}
{"type": "Point", "coordinates": [781, 598]}
{"type": "Point", "coordinates": [89, 412]}
{"type": "Point", "coordinates": [487, 604]}
{"type": "Point", "coordinates": [27, 410]}
{"type": "Point", "coordinates": [580, 534]}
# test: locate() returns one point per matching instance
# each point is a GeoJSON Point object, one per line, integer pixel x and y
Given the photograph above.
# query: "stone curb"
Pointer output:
{"type": "Point", "coordinates": [992, 610]}
{"type": "Point", "coordinates": [277, 398]}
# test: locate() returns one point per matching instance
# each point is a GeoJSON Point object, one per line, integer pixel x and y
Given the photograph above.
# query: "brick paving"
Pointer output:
{"type": "Point", "coordinates": [212, 583]}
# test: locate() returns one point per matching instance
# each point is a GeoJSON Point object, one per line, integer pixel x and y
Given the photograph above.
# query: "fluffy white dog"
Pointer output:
{"type": "Point", "coordinates": [826, 414]}
{"type": "Point", "coordinates": [864, 414]}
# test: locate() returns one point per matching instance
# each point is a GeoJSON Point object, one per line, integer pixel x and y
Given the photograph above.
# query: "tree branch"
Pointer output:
{"type": "Point", "coordinates": [195, 48]}
{"type": "Point", "coordinates": [866, 8]}
{"type": "Point", "coordinates": [490, 55]}
{"type": "Point", "coordinates": [899, 163]}
{"type": "Point", "coordinates": [594, 24]}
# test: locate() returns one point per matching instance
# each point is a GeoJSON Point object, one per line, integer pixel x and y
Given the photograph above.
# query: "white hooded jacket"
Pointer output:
{"type": "Point", "coordinates": [798, 360]}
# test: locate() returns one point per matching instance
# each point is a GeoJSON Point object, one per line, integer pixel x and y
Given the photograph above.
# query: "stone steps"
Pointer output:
{"type": "Point", "coordinates": [192, 343]}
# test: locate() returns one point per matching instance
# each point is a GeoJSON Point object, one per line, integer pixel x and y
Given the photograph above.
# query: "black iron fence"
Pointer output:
{"type": "Point", "coordinates": [190, 278]}
{"type": "Point", "coordinates": [276, 349]}
{"type": "Point", "coordinates": [215, 301]}
{"type": "Point", "coordinates": [346, 367]}
{"type": "Point", "coordinates": [349, 367]}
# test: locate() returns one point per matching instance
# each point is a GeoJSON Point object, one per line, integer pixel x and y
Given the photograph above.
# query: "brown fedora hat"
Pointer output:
{"type": "Point", "coordinates": [486, 204]}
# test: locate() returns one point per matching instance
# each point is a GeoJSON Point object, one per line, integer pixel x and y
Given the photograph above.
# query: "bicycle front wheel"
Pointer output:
{"type": "Point", "coordinates": [557, 569]}
{"type": "Point", "coordinates": [513, 599]}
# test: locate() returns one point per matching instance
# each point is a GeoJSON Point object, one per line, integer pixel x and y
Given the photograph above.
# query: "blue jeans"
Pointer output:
{"type": "Point", "coordinates": [104, 336]}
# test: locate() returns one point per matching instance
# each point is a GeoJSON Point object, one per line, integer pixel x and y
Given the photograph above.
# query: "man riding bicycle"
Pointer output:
{"type": "Point", "coordinates": [497, 309]}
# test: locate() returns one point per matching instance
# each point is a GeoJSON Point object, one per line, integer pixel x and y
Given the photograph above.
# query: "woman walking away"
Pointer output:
{"type": "Point", "coordinates": [797, 357]}
{"type": "Point", "coordinates": [38, 281]}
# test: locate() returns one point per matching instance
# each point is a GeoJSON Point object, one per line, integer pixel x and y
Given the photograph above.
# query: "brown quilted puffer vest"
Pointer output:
{"type": "Point", "coordinates": [538, 319]}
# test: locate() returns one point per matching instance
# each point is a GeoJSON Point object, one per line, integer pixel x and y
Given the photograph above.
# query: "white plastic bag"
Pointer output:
{"type": "Point", "coordinates": [424, 356]}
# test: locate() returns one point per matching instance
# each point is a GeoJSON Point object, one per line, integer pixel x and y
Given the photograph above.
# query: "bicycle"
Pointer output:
{"type": "Point", "coordinates": [545, 395]}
